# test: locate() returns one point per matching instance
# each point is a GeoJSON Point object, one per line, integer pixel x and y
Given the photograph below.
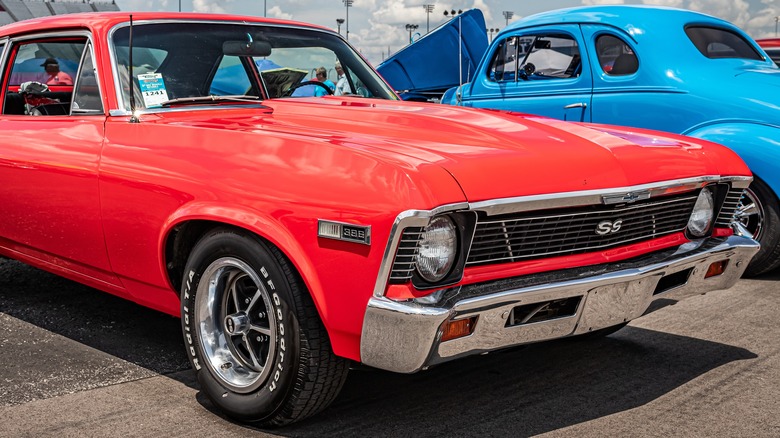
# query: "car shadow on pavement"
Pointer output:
{"type": "Point", "coordinates": [522, 392]}
{"type": "Point", "coordinates": [519, 392]}
{"type": "Point", "coordinates": [123, 329]}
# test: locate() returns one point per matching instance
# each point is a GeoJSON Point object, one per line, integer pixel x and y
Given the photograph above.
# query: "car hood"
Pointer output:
{"type": "Point", "coordinates": [494, 154]}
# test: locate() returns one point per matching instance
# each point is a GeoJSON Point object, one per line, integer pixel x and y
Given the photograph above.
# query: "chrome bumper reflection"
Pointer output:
{"type": "Point", "coordinates": [404, 336]}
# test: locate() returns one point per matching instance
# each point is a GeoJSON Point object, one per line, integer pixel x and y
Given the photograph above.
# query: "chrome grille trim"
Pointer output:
{"type": "Point", "coordinates": [523, 237]}
{"type": "Point", "coordinates": [729, 209]}
{"type": "Point", "coordinates": [405, 257]}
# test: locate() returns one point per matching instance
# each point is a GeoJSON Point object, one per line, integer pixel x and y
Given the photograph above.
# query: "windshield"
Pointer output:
{"type": "Point", "coordinates": [190, 60]}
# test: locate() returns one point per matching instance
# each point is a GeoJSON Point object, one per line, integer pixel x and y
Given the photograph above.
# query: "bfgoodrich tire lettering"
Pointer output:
{"type": "Point", "coordinates": [253, 335]}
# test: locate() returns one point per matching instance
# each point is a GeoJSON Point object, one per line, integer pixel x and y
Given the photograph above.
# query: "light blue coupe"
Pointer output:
{"type": "Point", "coordinates": [647, 67]}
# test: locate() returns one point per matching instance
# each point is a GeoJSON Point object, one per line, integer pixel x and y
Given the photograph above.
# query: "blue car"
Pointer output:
{"type": "Point", "coordinates": [647, 67]}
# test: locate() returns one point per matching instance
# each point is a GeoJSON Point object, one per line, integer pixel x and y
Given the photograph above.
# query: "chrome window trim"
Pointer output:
{"type": "Point", "coordinates": [89, 51]}
{"type": "Point", "coordinates": [411, 218]}
{"type": "Point", "coordinates": [120, 111]}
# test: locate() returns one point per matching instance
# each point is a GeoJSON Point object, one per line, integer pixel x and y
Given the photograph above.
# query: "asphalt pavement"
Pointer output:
{"type": "Point", "coordinates": [78, 362]}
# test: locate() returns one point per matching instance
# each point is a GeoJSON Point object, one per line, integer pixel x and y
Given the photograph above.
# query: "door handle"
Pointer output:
{"type": "Point", "coordinates": [576, 105]}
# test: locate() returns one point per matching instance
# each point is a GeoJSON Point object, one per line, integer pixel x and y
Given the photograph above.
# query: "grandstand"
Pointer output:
{"type": "Point", "coordinates": [17, 10]}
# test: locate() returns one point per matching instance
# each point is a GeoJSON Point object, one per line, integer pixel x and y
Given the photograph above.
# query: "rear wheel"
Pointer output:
{"type": "Point", "coordinates": [759, 213]}
{"type": "Point", "coordinates": [255, 340]}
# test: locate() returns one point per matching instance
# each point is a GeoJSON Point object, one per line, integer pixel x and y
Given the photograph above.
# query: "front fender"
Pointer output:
{"type": "Point", "coordinates": [756, 143]}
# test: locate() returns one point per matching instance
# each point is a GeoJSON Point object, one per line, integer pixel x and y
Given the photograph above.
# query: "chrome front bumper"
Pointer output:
{"type": "Point", "coordinates": [405, 336]}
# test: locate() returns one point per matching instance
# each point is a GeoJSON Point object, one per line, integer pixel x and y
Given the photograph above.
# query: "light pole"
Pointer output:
{"type": "Point", "coordinates": [453, 12]}
{"type": "Point", "coordinates": [348, 4]}
{"type": "Point", "coordinates": [776, 20]}
{"type": "Point", "coordinates": [339, 22]}
{"type": "Point", "coordinates": [265, 8]}
{"type": "Point", "coordinates": [180, 10]}
{"type": "Point", "coordinates": [491, 32]}
{"type": "Point", "coordinates": [508, 15]}
{"type": "Point", "coordinates": [410, 28]}
{"type": "Point", "coordinates": [428, 10]}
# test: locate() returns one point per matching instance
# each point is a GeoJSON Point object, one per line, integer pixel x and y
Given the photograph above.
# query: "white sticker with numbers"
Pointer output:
{"type": "Point", "coordinates": [152, 89]}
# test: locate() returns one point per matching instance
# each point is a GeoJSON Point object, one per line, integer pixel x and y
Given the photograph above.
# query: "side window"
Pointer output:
{"type": "Point", "coordinates": [616, 58]}
{"type": "Point", "coordinates": [716, 43]}
{"type": "Point", "coordinates": [536, 57]}
{"type": "Point", "coordinates": [231, 78]}
{"type": "Point", "coordinates": [554, 56]}
{"type": "Point", "coordinates": [86, 96]}
{"type": "Point", "coordinates": [41, 77]}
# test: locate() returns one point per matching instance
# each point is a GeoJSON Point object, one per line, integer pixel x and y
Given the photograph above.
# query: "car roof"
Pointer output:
{"type": "Point", "coordinates": [627, 17]}
{"type": "Point", "coordinates": [97, 21]}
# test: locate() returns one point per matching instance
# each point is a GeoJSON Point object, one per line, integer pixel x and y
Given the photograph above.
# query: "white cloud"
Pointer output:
{"type": "Point", "coordinates": [603, 2]}
{"type": "Point", "coordinates": [276, 12]}
{"type": "Point", "coordinates": [211, 6]}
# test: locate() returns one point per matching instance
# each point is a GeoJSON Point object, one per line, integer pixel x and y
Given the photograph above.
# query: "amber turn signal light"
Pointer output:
{"type": "Point", "coordinates": [458, 329]}
{"type": "Point", "coordinates": [716, 268]}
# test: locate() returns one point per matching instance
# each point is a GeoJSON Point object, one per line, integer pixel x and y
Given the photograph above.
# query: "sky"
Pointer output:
{"type": "Point", "coordinates": [377, 27]}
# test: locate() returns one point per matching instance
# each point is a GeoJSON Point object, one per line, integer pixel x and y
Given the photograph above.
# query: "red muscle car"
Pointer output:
{"type": "Point", "coordinates": [184, 169]}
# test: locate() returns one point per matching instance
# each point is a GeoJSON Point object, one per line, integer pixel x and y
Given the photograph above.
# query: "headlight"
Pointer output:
{"type": "Point", "coordinates": [703, 213]}
{"type": "Point", "coordinates": [437, 250]}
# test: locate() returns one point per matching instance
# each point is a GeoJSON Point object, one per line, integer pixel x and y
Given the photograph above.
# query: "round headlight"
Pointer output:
{"type": "Point", "coordinates": [703, 213]}
{"type": "Point", "coordinates": [437, 249]}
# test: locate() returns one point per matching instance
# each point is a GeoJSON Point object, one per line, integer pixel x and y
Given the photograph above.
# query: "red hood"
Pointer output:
{"type": "Point", "coordinates": [496, 154]}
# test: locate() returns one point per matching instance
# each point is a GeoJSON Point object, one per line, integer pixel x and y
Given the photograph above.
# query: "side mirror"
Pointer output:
{"type": "Point", "coordinates": [246, 48]}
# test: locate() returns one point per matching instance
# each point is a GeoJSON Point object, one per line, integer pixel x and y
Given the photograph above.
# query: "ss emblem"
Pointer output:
{"type": "Point", "coordinates": [607, 227]}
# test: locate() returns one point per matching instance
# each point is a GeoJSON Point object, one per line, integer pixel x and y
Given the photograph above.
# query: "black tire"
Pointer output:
{"type": "Point", "coordinates": [760, 214]}
{"type": "Point", "coordinates": [255, 340]}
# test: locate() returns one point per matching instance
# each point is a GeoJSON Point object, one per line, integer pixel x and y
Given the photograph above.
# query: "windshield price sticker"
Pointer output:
{"type": "Point", "coordinates": [152, 89]}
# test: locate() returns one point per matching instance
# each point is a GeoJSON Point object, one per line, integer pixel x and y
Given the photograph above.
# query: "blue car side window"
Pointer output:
{"type": "Point", "coordinates": [615, 56]}
{"type": "Point", "coordinates": [536, 57]}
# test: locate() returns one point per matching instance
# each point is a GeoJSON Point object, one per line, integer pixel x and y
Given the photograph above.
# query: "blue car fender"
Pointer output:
{"type": "Point", "coordinates": [757, 143]}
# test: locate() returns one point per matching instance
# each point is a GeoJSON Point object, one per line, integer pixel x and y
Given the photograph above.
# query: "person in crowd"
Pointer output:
{"type": "Point", "coordinates": [322, 76]}
{"type": "Point", "coordinates": [342, 85]}
{"type": "Point", "coordinates": [53, 74]}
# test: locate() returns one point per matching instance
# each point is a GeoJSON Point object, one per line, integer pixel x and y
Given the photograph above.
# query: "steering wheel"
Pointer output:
{"type": "Point", "coordinates": [294, 87]}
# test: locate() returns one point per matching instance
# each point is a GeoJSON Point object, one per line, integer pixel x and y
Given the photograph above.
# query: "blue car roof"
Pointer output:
{"type": "Point", "coordinates": [630, 18]}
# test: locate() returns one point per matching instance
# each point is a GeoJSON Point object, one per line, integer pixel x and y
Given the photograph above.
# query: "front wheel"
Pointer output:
{"type": "Point", "coordinates": [759, 213]}
{"type": "Point", "coordinates": [255, 340]}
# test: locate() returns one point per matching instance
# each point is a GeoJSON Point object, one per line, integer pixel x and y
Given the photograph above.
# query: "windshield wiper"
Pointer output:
{"type": "Point", "coordinates": [200, 100]}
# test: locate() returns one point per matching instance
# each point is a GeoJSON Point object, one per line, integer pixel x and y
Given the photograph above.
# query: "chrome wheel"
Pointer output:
{"type": "Point", "coordinates": [236, 324]}
{"type": "Point", "coordinates": [750, 213]}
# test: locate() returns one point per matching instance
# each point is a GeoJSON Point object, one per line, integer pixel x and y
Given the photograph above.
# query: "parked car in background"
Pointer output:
{"type": "Point", "coordinates": [646, 67]}
{"type": "Point", "coordinates": [772, 48]}
{"type": "Point", "coordinates": [293, 235]}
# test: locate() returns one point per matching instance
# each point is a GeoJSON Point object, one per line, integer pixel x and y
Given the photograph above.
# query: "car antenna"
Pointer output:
{"type": "Point", "coordinates": [133, 115]}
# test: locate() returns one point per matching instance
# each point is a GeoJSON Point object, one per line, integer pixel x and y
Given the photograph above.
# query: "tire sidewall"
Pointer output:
{"type": "Point", "coordinates": [268, 398]}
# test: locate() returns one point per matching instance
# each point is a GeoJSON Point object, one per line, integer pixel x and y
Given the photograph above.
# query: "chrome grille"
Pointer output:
{"type": "Point", "coordinates": [729, 209]}
{"type": "Point", "coordinates": [516, 237]}
{"type": "Point", "coordinates": [405, 256]}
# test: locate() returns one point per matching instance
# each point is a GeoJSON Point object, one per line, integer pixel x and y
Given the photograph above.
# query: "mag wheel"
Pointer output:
{"type": "Point", "coordinates": [255, 340]}
{"type": "Point", "coordinates": [759, 213]}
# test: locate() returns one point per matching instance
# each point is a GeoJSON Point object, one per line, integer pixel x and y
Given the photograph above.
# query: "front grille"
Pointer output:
{"type": "Point", "coordinates": [729, 209]}
{"type": "Point", "coordinates": [526, 236]}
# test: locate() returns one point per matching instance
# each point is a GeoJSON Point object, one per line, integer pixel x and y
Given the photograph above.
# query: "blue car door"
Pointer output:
{"type": "Point", "coordinates": [539, 71]}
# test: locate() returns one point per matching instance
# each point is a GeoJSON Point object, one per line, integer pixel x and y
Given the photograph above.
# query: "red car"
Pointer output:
{"type": "Point", "coordinates": [772, 48]}
{"type": "Point", "coordinates": [294, 235]}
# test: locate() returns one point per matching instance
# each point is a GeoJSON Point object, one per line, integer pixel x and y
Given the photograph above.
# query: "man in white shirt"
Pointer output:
{"type": "Point", "coordinates": [342, 85]}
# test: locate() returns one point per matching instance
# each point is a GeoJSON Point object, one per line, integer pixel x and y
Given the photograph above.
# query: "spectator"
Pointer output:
{"type": "Point", "coordinates": [53, 74]}
{"type": "Point", "coordinates": [342, 85]}
{"type": "Point", "coordinates": [322, 76]}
